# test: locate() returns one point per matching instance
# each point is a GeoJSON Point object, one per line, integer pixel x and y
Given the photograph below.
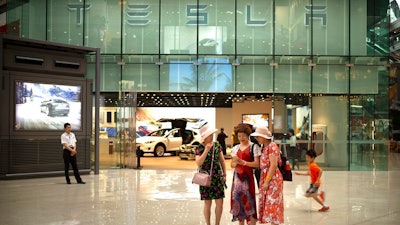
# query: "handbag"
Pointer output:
{"type": "Point", "coordinates": [203, 178]}
{"type": "Point", "coordinates": [284, 167]}
{"type": "Point", "coordinates": [256, 171]}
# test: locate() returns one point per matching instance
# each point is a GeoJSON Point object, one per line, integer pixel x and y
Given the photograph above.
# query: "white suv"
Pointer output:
{"type": "Point", "coordinates": [167, 140]}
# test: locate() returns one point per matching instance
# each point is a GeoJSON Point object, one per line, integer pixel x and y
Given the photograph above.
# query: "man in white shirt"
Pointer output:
{"type": "Point", "coordinates": [68, 140]}
{"type": "Point", "coordinates": [292, 142]}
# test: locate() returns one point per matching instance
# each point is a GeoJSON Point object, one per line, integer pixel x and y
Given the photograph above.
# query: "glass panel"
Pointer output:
{"type": "Point", "coordinates": [65, 21]}
{"type": "Point", "coordinates": [252, 78]}
{"type": "Point", "coordinates": [34, 28]}
{"type": "Point", "coordinates": [178, 76]}
{"type": "Point", "coordinates": [215, 17]}
{"type": "Point", "coordinates": [215, 74]}
{"type": "Point", "coordinates": [378, 28]}
{"type": "Point", "coordinates": [126, 128]}
{"type": "Point", "coordinates": [97, 25]}
{"type": "Point", "coordinates": [369, 133]}
{"type": "Point", "coordinates": [210, 73]}
{"type": "Point", "coordinates": [144, 76]}
{"type": "Point", "coordinates": [364, 79]}
{"type": "Point", "coordinates": [330, 130]}
{"type": "Point", "coordinates": [330, 78]}
{"type": "Point", "coordinates": [112, 32]}
{"type": "Point", "coordinates": [254, 27]}
{"type": "Point", "coordinates": [110, 73]}
{"type": "Point", "coordinates": [291, 34]}
{"type": "Point", "coordinates": [358, 24]}
{"type": "Point", "coordinates": [330, 26]}
{"type": "Point", "coordinates": [141, 21]}
{"type": "Point", "coordinates": [14, 21]}
{"type": "Point", "coordinates": [179, 27]}
{"type": "Point", "coordinates": [292, 79]}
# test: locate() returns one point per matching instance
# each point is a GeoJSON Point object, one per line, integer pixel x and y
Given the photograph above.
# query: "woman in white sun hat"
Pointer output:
{"type": "Point", "coordinates": [207, 152]}
{"type": "Point", "coordinates": [270, 203]}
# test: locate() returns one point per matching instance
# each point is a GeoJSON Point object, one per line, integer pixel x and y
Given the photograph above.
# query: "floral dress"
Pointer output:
{"type": "Point", "coordinates": [270, 206]}
{"type": "Point", "coordinates": [243, 200]}
{"type": "Point", "coordinates": [216, 190]}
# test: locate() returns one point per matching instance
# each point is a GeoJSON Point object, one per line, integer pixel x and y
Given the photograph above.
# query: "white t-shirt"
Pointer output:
{"type": "Point", "coordinates": [256, 150]}
{"type": "Point", "coordinates": [292, 141]}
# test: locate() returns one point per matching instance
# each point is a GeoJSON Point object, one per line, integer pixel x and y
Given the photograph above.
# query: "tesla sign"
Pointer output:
{"type": "Point", "coordinates": [138, 14]}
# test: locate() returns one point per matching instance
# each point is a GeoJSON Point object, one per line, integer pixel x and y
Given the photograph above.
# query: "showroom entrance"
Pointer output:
{"type": "Point", "coordinates": [127, 117]}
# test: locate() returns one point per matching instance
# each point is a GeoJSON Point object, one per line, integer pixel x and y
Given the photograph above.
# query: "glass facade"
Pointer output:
{"type": "Point", "coordinates": [334, 52]}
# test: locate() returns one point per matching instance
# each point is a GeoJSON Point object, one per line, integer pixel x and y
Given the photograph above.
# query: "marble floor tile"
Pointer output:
{"type": "Point", "coordinates": [167, 197]}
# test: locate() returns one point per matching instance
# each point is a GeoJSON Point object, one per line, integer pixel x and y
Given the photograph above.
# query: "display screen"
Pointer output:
{"type": "Point", "coordinates": [41, 106]}
{"type": "Point", "coordinates": [257, 120]}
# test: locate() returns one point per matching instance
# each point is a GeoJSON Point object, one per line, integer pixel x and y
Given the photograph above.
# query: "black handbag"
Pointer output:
{"type": "Point", "coordinates": [285, 168]}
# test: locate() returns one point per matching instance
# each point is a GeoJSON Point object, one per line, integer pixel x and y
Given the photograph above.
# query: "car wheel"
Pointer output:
{"type": "Point", "coordinates": [159, 150]}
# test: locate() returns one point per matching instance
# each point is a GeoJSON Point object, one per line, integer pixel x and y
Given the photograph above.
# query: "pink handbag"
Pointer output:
{"type": "Point", "coordinates": [202, 178]}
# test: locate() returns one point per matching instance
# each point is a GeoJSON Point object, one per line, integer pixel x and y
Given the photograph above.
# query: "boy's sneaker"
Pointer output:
{"type": "Point", "coordinates": [322, 196]}
{"type": "Point", "coordinates": [324, 208]}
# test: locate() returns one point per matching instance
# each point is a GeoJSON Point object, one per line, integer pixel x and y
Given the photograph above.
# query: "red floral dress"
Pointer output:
{"type": "Point", "coordinates": [243, 200]}
{"type": "Point", "coordinates": [270, 205]}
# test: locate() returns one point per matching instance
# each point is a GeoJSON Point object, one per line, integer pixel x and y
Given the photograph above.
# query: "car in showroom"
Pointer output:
{"type": "Point", "coordinates": [55, 107]}
{"type": "Point", "coordinates": [167, 140]}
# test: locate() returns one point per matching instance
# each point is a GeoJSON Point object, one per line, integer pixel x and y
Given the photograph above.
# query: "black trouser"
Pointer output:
{"type": "Point", "coordinates": [67, 160]}
{"type": "Point", "coordinates": [293, 155]}
{"type": "Point", "coordinates": [257, 174]}
{"type": "Point", "coordinates": [223, 145]}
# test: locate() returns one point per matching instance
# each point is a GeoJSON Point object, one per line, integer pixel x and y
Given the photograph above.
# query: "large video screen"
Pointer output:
{"type": "Point", "coordinates": [257, 120]}
{"type": "Point", "coordinates": [43, 106]}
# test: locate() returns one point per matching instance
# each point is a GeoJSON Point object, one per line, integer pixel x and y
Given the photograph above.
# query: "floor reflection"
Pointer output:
{"type": "Point", "coordinates": [167, 196]}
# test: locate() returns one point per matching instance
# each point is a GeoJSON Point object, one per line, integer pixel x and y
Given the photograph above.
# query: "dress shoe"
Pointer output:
{"type": "Point", "coordinates": [81, 182]}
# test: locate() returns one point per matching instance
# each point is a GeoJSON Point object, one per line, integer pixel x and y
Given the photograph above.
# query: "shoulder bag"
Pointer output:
{"type": "Point", "coordinates": [203, 178]}
{"type": "Point", "coordinates": [284, 167]}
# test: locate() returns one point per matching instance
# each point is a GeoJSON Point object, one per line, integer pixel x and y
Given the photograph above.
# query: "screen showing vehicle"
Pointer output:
{"type": "Point", "coordinates": [41, 106]}
{"type": "Point", "coordinates": [257, 120]}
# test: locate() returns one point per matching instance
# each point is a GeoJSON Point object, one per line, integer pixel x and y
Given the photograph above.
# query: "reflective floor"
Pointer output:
{"type": "Point", "coordinates": [167, 197]}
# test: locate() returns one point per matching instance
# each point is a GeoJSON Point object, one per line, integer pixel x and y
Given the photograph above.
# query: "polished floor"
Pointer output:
{"type": "Point", "coordinates": [167, 197]}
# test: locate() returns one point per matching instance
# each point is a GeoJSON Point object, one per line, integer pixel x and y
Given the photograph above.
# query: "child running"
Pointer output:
{"type": "Point", "coordinates": [315, 173]}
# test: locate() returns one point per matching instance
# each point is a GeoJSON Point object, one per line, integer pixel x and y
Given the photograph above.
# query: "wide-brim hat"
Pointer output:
{"type": "Point", "coordinates": [206, 131]}
{"type": "Point", "coordinates": [262, 132]}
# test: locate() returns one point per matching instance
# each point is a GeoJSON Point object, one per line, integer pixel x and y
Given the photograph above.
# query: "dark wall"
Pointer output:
{"type": "Point", "coordinates": [36, 149]}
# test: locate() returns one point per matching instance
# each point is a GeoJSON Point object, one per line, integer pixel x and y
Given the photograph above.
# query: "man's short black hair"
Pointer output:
{"type": "Point", "coordinates": [66, 125]}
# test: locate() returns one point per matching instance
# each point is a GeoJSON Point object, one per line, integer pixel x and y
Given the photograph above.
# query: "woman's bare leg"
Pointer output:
{"type": "Point", "coordinates": [253, 221]}
{"type": "Point", "coordinates": [207, 211]}
{"type": "Point", "coordinates": [218, 210]}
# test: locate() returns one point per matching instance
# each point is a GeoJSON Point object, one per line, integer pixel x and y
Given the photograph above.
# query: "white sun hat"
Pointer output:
{"type": "Point", "coordinates": [262, 132]}
{"type": "Point", "coordinates": [206, 131]}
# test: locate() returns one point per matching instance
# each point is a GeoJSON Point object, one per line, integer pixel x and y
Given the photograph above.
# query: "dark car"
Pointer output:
{"type": "Point", "coordinates": [55, 107]}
